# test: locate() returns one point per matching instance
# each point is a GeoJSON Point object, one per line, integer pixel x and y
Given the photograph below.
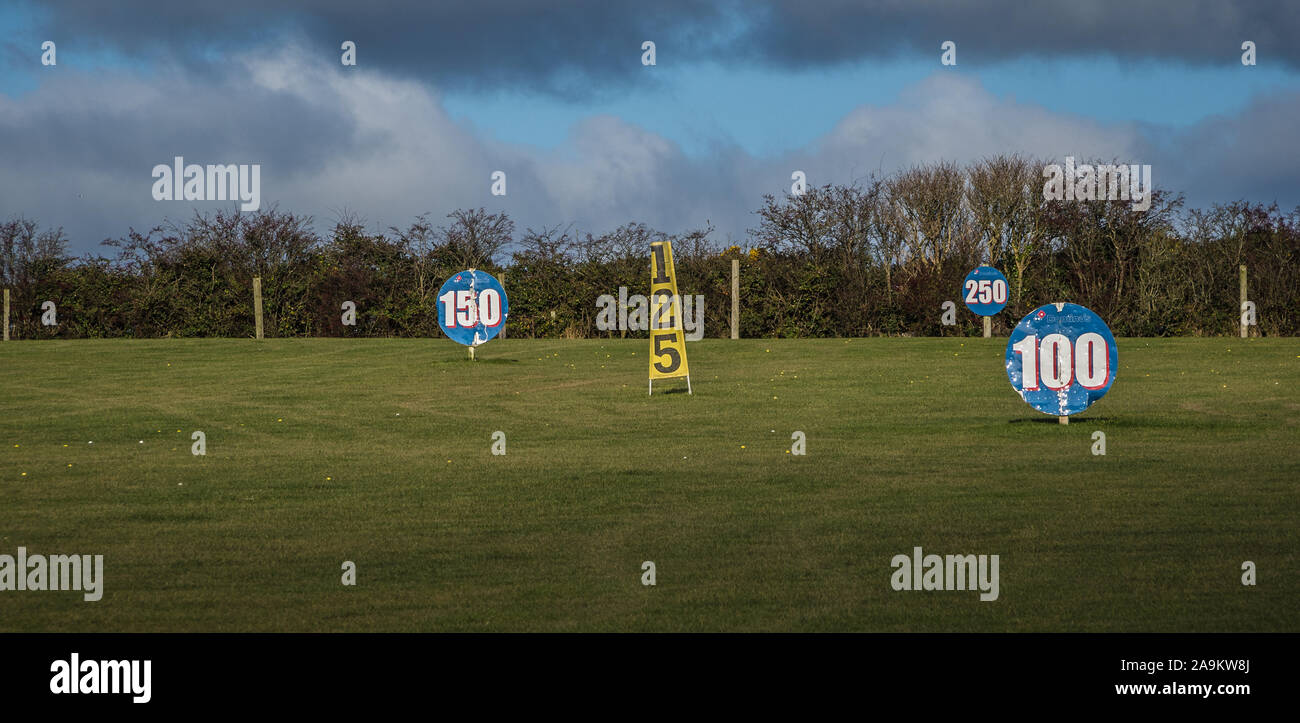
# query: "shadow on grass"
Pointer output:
{"type": "Point", "coordinates": [1054, 420]}
{"type": "Point", "coordinates": [476, 361]}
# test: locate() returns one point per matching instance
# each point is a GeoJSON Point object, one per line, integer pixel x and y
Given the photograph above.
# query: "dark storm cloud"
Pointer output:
{"type": "Point", "coordinates": [573, 48]}
{"type": "Point", "coordinates": [560, 47]}
{"type": "Point", "coordinates": [1191, 31]}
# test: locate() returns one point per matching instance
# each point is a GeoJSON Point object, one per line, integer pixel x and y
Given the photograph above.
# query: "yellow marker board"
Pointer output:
{"type": "Point", "coordinates": [667, 336]}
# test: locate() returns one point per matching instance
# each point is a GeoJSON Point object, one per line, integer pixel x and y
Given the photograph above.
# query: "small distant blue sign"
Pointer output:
{"type": "Point", "coordinates": [1061, 358]}
{"type": "Point", "coordinates": [985, 291]}
{"type": "Point", "coordinates": [472, 307]}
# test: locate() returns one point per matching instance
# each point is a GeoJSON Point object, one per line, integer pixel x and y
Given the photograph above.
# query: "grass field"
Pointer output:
{"type": "Point", "coordinates": [378, 451]}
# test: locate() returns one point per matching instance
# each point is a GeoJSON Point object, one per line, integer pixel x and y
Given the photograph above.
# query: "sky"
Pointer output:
{"type": "Point", "coordinates": [556, 96]}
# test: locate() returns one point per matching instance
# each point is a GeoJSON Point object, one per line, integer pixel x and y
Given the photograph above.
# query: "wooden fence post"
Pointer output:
{"type": "Point", "coordinates": [735, 298]}
{"type": "Point", "coordinates": [257, 303]}
{"type": "Point", "coordinates": [1241, 308]}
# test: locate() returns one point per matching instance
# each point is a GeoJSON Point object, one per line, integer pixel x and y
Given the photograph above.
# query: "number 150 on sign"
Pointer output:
{"type": "Point", "coordinates": [461, 309]}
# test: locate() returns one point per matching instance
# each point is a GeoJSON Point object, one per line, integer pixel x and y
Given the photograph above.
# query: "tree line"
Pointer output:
{"type": "Point", "coordinates": [877, 257]}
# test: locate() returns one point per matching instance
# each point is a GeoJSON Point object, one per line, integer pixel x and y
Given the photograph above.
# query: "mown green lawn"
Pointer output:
{"type": "Point", "coordinates": [378, 452]}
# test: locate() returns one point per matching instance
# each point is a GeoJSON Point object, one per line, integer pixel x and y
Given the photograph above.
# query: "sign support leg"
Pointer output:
{"type": "Point", "coordinates": [988, 327]}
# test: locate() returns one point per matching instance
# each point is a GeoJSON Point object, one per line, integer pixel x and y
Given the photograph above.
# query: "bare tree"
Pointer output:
{"type": "Point", "coordinates": [928, 210]}
{"type": "Point", "coordinates": [24, 250]}
{"type": "Point", "coordinates": [475, 237]}
{"type": "Point", "coordinates": [997, 201]}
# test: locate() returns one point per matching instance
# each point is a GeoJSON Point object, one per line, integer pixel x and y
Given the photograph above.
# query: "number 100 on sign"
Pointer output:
{"type": "Point", "coordinates": [1061, 360]}
{"type": "Point", "coordinates": [1056, 367]}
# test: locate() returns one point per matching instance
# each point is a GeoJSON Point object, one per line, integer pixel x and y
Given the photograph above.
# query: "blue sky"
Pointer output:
{"type": "Point", "coordinates": [444, 94]}
{"type": "Point", "coordinates": [767, 112]}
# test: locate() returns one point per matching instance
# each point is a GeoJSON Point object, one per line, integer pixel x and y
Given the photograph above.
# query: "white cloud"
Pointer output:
{"type": "Point", "coordinates": [78, 150]}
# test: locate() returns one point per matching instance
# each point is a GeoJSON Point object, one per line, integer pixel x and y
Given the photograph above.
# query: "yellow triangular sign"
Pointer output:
{"type": "Point", "coordinates": [667, 335]}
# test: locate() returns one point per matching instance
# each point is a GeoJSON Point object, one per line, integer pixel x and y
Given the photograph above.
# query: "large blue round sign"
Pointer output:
{"type": "Point", "coordinates": [472, 307]}
{"type": "Point", "coordinates": [1061, 358]}
{"type": "Point", "coordinates": [985, 291]}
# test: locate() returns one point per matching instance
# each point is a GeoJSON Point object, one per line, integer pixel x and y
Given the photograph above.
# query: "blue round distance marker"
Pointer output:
{"type": "Point", "coordinates": [985, 291]}
{"type": "Point", "coordinates": [1061, 358]}
{"type": "Point", "coordinates": [472, 307]}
